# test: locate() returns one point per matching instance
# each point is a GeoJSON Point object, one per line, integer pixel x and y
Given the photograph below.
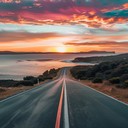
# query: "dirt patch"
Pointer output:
{"type": "Point", "coordinates": [105, 87]}
{"type": "Point", "coordinates": [2, 90]}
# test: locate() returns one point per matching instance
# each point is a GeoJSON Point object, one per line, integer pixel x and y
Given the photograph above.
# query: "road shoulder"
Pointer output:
{"type": "Point", "coordinates": [117, 93]}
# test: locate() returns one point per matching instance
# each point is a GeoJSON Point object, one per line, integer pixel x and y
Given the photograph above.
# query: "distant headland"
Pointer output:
{"type": "Point", "coordinates": [89, 52]}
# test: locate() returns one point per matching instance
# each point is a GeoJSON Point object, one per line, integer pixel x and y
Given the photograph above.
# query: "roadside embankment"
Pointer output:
{"type": "Point", "coordinates": [108, 77]}
{"type": "Point", "coordinates": [12, 87]}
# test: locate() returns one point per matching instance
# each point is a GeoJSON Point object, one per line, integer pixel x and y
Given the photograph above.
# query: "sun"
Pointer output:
{"type": "Point", "coordinates": [61, 49]}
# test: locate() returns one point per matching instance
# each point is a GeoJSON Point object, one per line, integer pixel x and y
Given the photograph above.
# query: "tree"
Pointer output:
{"type": "Point", "coordinates": [31, 78]}
{"type": "Point", "coordinates": [28, 78]}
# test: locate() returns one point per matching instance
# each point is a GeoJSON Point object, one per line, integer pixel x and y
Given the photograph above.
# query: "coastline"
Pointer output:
{"type": "Point", "coordinates": [6, 92]}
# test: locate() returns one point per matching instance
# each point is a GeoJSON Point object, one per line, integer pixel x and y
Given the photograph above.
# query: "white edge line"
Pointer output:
{"type": "Point", "coordinates": [66, 116]}
{"type": "Point", "coordinates": [103, 94]}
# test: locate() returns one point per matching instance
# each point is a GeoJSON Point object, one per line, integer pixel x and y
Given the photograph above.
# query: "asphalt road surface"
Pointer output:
{"type": "Point", "coordinates": [62, 103]}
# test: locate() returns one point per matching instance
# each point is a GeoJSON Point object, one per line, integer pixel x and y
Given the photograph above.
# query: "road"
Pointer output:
{"type": "Point", "coordinates": [62, 103]}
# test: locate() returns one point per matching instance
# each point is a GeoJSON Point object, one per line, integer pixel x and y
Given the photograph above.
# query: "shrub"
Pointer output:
{"type": "Point", "coordinates": [104, 66]}
{"type": "Point", "coordinates": [119, 71]}
{"type": "Point", "coordinates": [46, 73]}
{"type": "Point", "coordinates": [24, 83]}
{"type": "Point", "coordinates": [114, 80]}
{"type": "Point", "coordinates": [124, 77]}
{"type": "Point", "coordinates": [77, 72]}
{"type": "Point", "coordinates": [40, 77]}
{"type": "Point", "coordinates": [114, 71]}
{"type": "Point", "coordinates": [53, 71]}
{"type": "Point", "coordinates": [125, 84]}
{"type": "Point", "coordinates": [99, 75]}
{"type": "Point", "coordinates": [31, 78]}
{"type": "Point", "coordinates": [97, 80]}
{"type": "Point", "coordinates": [7, 83]}
{"type": "Point", "coordinates": [28, 77]}
{"type": "Point", "coordinates": [108, 72]}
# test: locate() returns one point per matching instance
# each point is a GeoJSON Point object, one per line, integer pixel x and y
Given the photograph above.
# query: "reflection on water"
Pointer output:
{"type": "Point", "coordinates": [20, 69]}
{"type": "Point", "coordinates": [17, 66]}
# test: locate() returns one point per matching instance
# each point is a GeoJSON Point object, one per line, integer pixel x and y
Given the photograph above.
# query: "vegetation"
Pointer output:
{"type": "Point", "coordinates": [115, 80]}
{"type": "Point", "coordinates": [126, 83]}
{"type": "Point", "coordinates": [116, 72]}
{"type": "Point", "coordinates": [97, 80]}
{"type": "Point", "coordinates": [48, 74]}
{"type": "Point", "coordinates": [24, 83]}
{"type": "Point", "coordinates": [30, 80]}
{"type": "Point", "coordinates": [99, 59]}
{"type": "Point", "coordinates": [7, 83]}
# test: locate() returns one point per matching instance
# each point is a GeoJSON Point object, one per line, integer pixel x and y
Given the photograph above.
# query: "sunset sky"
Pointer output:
{"type": "Point", "coordinates": [63, 25]}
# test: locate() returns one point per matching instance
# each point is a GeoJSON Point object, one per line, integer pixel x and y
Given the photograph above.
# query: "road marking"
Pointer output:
{"type": "Point", "coordinates": [66, 116]}
{"type": "Point", "coordinates": [58, 118]}
{"type": "Point", "coordinates": [108, 96]}
{"type": "Point", "coordinates": [100, 92]}
{"type": "Point", "coordinates": [59, 112]}
{"type": "Point", "coordinates": [25, 91]}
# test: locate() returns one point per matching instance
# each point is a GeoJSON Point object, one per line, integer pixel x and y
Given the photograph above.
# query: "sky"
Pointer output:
{"type": "Point", "coordinates": [64, 25]}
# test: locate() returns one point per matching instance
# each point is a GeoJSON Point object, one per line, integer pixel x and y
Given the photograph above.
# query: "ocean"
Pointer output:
{"type": "Point", "coordinates": [19, 65]}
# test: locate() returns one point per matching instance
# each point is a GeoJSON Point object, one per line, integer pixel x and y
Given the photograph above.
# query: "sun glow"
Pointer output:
{"type": "Point", "coordinates": [61, 49]}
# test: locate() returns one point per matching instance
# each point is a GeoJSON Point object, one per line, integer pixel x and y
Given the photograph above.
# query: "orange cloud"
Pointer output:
{"type": "Point", "coordinates": [125, 6]}
{"type": "Point", "coordinates": [92, 12]}
{"type": "Point", "coordinates": [9, 37]}
{"type": "Point", "coordinates": [100, 43]}
{"type": "Point", "coordinates": [28, 49]}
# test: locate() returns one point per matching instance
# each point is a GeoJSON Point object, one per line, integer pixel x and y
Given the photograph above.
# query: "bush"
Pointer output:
{"type": "Point", "coordinates": [104, 66]}
{"type": "Point", "coordinates": [7, 83]}
{"type": "Point", "coordinates": [119, 71]}
{"type": "Point", "coordinates": [97, 80]}
{"type": "Point", "coordinates": [28, 77]}
{"type": "Point", "coordinates": [99, 75]}
{"type": "Point", "coordinates": [53, 71]}
{"type": "Point", "coordinates": [41, 78]}
{"type": "Point", "coordinates": [31, 78]}
{"type": "Point", "coordinates": [114, 71]}
{"type": "Point", "coordinates": [124, 77]}
{"type": "Point", "coordinates": [24, 83]}
{"type": "Point", "coordinates": [46, 73]}
{"type": "Point", "coordinates": [125, 84]}
{"type": "Point", "coordinates": [114, 80]}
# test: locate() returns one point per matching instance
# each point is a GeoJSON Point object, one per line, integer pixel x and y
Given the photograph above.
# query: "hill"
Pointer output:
{"type": "Point", "coordinates": [98, 59]}
{"type": "Point", "coordinates": [90, 52]}
{"type": "Point", "coordinates": [114, 72]}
